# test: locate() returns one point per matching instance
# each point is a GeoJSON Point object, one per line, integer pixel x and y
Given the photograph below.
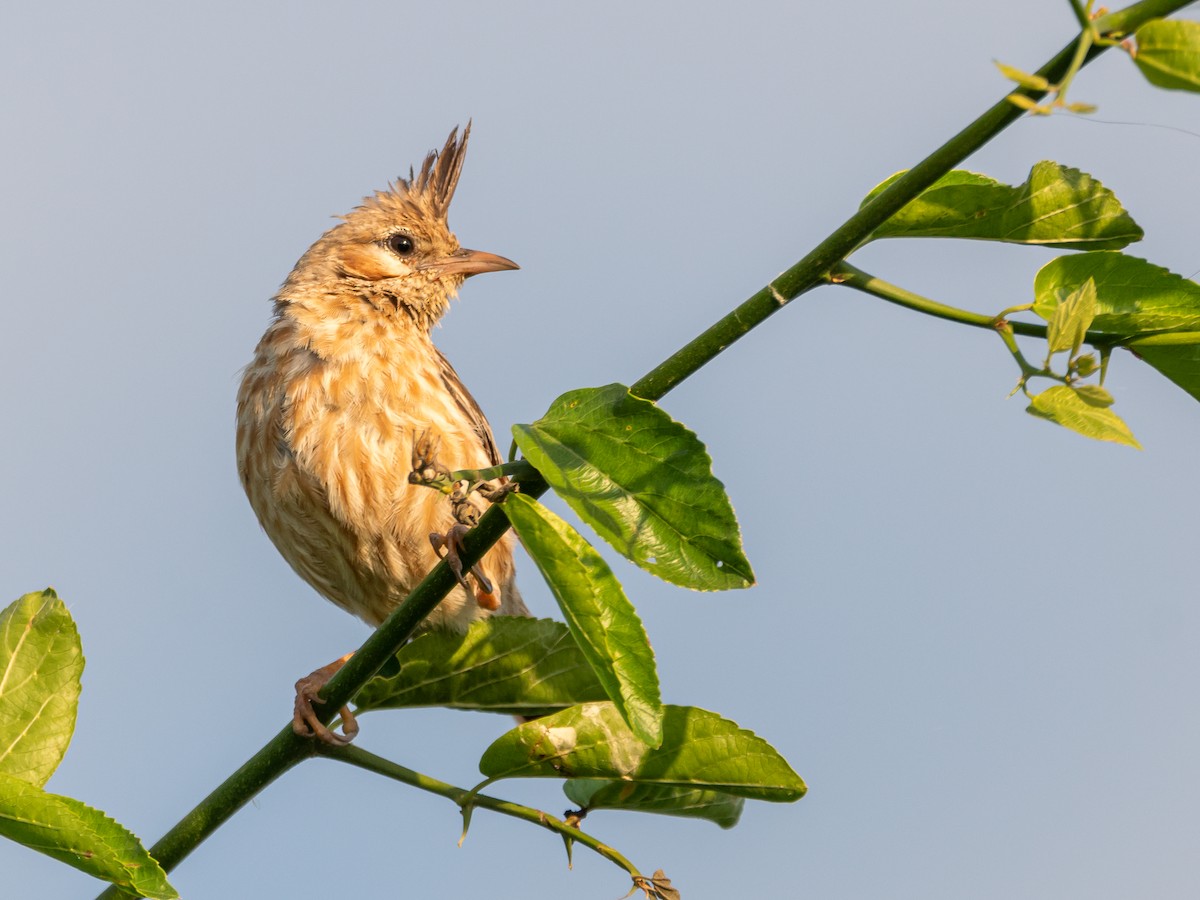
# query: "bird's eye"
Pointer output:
{"type": "Point", "coordinates": [402, 244]}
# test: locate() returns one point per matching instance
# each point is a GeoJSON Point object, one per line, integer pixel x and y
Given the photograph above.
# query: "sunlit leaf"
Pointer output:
{"type": "Point", "coordinates": [1028, 104]}
{"type": "Point", "coordinates": [1071, 319]}
{"type": "Point", "coordinates": [699, 750]}
{"type": "Point", "coordinates": [1132, 296]}
{"type": "Point", "coordinates": [1168, 53]}
{"type": "Point", "coordinates": [1093, 394]}
{"type": "Point", "coordinates": [1057, 206]}
{"type": "Point", "coordinates": [663, 799]}
{"type": "Point", "coordinates": [643, 482]}
{"type": "Point", "coordinates": [603, 622]}
{"type": "Point", "coordinates": [1024, 79]}
{"type": "Point", "coordinates": [80, 836]}
{"type": "Point", "coordinates": [1064, 406]}
{"type": "Point", "coordinates": [40, 663]}
{"type": "Point", "coordinates": [505, 664]}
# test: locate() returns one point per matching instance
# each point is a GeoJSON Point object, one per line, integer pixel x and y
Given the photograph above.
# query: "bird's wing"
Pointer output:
{"type": "Point", "coordinates": [469, 407]}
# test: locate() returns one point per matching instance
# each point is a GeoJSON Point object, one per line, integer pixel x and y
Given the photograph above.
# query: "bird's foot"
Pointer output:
{"type": "Point", "coordinates": [449, 547]}
{"type": "Point", "coordinates": [305, 721]}
{"type": "Point", "coordinates": [426, 470]}
{"type": "Point", "coordinates": [496, 492]}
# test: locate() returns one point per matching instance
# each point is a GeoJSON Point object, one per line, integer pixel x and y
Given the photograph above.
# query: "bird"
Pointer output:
{"type": "Point", "coordinates": [346, 388]}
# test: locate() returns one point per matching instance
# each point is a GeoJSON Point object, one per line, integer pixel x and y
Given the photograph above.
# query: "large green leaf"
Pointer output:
{"type": "Point", "coordinates": [1132, 296]}
{"type": "Point", "coordinates": [1168, 53]}
{"type": "Point", "coordinates": [603, 622]}
{"type": "Point", "coordinates": [664, 799]}
{"type": "Point", "coordinates": [40, 663]}
{"type": "Point", "coordinates": [1057, 206]}
{"type": "Point", "coordinates": [643, 481]}
{"type": "Point", "coordinates": [79, 836]}
{"type": "Point", "coordinates": [1179, 362]}
{"type": "Point", "coordinates": [505, 664]}
{"type": "Point", "coordinates": [1084, 411]}
{"type": "Point", "coordinates": [699, 750]}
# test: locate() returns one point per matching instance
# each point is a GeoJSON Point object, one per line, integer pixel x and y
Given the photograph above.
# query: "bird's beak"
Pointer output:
{"type": "Point", "coordinates": [470, 262]}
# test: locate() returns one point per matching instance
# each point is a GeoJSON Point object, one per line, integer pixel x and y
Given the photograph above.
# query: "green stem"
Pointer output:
{"type": "Point", "coordinates": [851, 276]}
{"type": "Point", "coordinates": [1086, 38]}
{"type": "Point", "coordinates": [1168, 339]}
{"type": "Point", "coordinates": [813, 268]}
{"type": "Point", "coordinates": [517, 470]}
{"type": "Point", "coordinates": [1081, 14]}
{"type": "Point", "coordinates": [356, 756]}
{"type": "Point", "coordinates": [284, 751]}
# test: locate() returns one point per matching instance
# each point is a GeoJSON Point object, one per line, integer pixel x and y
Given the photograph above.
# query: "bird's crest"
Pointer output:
{"type": "Point", "coordinates": [430, 190]}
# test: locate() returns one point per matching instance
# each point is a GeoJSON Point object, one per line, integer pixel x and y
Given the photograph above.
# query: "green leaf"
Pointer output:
{"type": "Point", "coordinates": [603, 622]}
{"type": "Point", "coordinates": [1133, 296]}
{"type": "Point", "coordinates": [664, 799]}
{"type": "Point", "coordinates": [1072, 318]}
{"type": "Point", "coordinates": [1026, 103]}
{"type": "Point", "coordinates": [505, 664]}
{"type": "Point", "coordinates": [79, 836]}
{"type": "Point", "coordinates": [1024, 79]}
{"type": "Point", "coordinates": [1168, 53]}
{"type": "Point", "coordinates": [41, 661]}
{"type": "Point", "coordinates": [699, 750]}
{"type": "Point", "coordinates": [1057, 206]}
{"type": "Point", "coordinates": [1093, 394]}
{"type": "Point", "coordinates": [643, 481]}
{"type": "Point", "coordinates": [1179, 362]}
{"type": "Point", "coordinates": [1064, 406]}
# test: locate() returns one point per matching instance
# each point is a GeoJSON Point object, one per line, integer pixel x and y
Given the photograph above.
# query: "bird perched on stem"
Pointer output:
{"type": "Point", "coordinates": [346, 386]}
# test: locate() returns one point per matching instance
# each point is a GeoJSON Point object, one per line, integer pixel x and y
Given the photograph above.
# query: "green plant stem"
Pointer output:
{"type": "Point", "coordinates": [356, 756]}
{"type": "Point", "coordinates": [851, 276]}
{"type": "Point", "coordinates": [1080, 14]}
{"type": "Point", "coordinates": [518, 470]}
{"type": "Point", "coordinates": [283, 752]}
{"type": "Point", "coordinates": [812, 269]}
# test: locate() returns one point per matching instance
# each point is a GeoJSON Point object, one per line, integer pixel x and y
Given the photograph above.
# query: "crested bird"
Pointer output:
{"type": "Point", "coordinates": [345, 385]}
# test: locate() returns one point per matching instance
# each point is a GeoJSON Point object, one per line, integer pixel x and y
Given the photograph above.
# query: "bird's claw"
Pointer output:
{"type": "Point", "coordinates": [426, 469]}
{"type": "Point", "coordinates": [499, 492]}
{"type": "Point", "coordinates": [306, 722]}
{"type": "Point", "coordinates": [449, 546]}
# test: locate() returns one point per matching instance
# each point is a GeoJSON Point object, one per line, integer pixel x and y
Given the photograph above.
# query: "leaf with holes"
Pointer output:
{"type": "Point", "coordinates": [41, 661]}
{"type": "Point", "coordinates": [1056, 206]}
{"type": "Point", "coordinates": [700, 750]}
{"type": "Point", "coordinates": [604, 623]}
{"type": "Point", "coordinates": [643, 482]}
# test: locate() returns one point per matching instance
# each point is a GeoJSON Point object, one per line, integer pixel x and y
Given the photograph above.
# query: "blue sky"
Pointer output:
{"type": "Point", "coordinates": [974, 634]}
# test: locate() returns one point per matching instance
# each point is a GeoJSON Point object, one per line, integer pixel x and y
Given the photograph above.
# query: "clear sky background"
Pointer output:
{"type": "Point", "coordinates": [975, 635]}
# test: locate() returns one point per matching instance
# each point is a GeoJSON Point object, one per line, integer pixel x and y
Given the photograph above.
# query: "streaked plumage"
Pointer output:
{"type": "Point", "coordinates": [342, 383]}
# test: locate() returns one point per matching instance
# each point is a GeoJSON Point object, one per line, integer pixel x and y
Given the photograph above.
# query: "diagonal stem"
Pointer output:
{"type": "Point", "coordinates": [356, 756]}
{"type": "Point", "coordinates": [284, 751]}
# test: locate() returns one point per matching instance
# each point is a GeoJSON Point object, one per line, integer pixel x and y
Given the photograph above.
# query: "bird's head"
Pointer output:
{"type": "Point", "coordinates": [395, 251]}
